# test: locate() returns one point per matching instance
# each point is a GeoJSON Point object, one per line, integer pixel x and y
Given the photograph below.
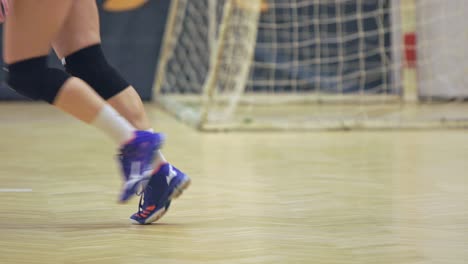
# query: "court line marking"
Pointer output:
{"type": "Point", "coordinates": [2, 190]}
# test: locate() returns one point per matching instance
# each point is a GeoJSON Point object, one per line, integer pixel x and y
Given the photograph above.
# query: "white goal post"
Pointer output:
{"type": "Point", "coordinates": [315, 64]}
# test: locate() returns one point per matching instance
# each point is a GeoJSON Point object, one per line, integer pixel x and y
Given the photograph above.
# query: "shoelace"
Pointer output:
{"type": "Point", "coordinates": [142, 199]}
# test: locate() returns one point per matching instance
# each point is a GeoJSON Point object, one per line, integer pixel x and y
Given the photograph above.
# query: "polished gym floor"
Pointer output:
{"type": "Point", "coordinates": [332, 197]}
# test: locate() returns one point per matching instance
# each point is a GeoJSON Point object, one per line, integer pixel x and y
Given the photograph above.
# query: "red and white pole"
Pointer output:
{"type": "Point", "coordinates": [409, 71]}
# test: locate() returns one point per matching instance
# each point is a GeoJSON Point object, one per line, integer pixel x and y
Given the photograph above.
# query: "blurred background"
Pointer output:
{"type": "Point", "coordinates": [132, 34]}
{"type": "Point", "coordinates": [222, 64]}
{"type": "Point", "coordinates": [372, 51]}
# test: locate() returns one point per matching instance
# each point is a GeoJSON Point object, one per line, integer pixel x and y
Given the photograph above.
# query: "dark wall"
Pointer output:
{"type": "Point", "coordinates": [131, 41]}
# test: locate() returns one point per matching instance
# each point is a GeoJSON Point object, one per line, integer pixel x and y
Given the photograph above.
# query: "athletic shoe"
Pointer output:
{"type": "Point", "coordinates": [136, 158]}
{"type": "Point", "coordinates": [167, 183]}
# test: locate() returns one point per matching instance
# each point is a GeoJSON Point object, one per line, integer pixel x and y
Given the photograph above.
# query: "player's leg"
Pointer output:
{"type": "Point", "coordinates": [29, 29]}
{"type": "Point", "coordinates": [27, 36]}
{"type": "Point", "coordinates": [78, 43]}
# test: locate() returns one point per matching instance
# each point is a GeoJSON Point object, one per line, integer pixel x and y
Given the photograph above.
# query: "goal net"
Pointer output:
{"type": "Point", "coordinates": [315, 64]}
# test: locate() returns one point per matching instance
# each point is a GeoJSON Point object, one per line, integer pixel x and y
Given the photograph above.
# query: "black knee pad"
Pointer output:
{"type": "Point", "coordinates": [90, 65]}
{"type": "Point", "coordinates": [32, 78]}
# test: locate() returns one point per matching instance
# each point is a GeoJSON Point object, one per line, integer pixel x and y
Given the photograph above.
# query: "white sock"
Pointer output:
{"type": "Point", "coordinates": [114, 125]}
{"type": "Point", "coordinates": [159, 156]}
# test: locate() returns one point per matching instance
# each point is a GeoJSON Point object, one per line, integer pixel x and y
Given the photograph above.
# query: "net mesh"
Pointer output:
{"type": "Point", "coordinates": [315, 64]}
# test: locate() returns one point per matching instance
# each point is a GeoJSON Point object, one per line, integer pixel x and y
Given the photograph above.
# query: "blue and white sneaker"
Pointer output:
{"type": "Point", "coordinates": [166, 184]}
{"type": "Point", "coordinates": [136, 158]}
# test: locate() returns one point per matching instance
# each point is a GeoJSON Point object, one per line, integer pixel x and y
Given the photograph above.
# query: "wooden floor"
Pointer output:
{"type": "Point", "coordinates": [337, 197]}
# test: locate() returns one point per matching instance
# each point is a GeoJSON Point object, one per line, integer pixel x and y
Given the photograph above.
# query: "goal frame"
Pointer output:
{"type": "Point", "coordinates": [404, 72]}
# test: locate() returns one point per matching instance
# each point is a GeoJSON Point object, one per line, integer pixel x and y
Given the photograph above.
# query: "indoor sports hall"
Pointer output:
{"type": "Point", "coordinates": [313, 131]}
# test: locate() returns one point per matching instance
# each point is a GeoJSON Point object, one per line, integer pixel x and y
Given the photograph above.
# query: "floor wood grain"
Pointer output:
{"type": "Point", "coordinates": [339, 197]}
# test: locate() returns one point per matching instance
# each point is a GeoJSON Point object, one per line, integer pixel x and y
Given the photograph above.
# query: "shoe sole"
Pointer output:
{"type": "Point", "coordinates": [179, 189]}
{"type": "Point", "coordinates": [152, 218]}
{"type": "Point", "coordinates": [176, 193]}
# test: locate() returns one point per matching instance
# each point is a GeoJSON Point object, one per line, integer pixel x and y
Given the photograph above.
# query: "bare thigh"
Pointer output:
{"type": "Point", "coordinates": [80, 30]}
{"type": "Point", "coordinates": [30, 27]}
